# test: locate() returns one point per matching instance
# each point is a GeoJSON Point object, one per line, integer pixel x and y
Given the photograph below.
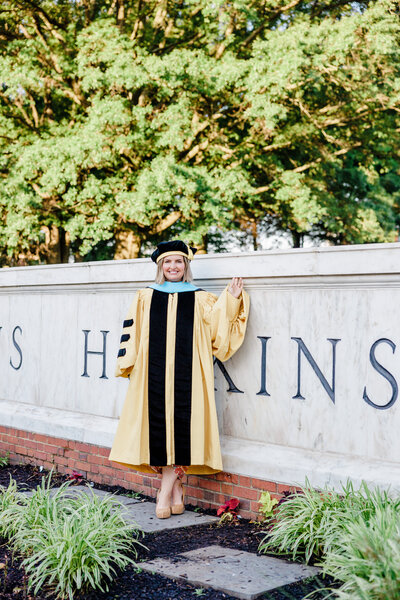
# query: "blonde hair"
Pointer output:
{"type": "Point", "coordinates": [187, 274]}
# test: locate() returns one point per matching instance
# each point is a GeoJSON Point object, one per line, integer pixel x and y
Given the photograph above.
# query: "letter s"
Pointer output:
{"type": "Point", "coordinates": [17, 347]}
{"type": "Point", "coordinates": [385, 373]}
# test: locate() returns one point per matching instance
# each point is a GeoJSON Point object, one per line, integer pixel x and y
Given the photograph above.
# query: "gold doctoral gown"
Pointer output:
{"type": "Point", "coordinates": [169, 338]}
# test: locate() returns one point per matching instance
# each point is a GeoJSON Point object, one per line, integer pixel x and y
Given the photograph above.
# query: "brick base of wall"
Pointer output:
{"type": "Point", "coordinates": [92, 462]}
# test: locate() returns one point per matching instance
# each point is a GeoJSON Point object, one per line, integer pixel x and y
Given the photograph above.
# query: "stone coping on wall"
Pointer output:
{"type": "Point", "coordinates": [305, 263]}
{"type": "Point", "coordinates": [263, 461]}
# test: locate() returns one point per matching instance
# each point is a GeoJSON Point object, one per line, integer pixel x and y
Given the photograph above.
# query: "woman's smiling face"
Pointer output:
{"type": "Point", "coordinates": [173, 267]}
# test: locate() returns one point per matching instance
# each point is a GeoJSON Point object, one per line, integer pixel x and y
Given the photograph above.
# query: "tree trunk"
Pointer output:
{"type": "Point", "coordinates": [55, 249]}
{"type": "Point", "coordinates": [297, 239]}
{"type": "Point", "coordinates": [254, 234]}
{"type": "Point", "coordinates": [65, 244]}
{"type": "Point", "coordinates": [202, 247]}
{"type": "Point", "coordinates": [50, 249]}
{"type": "Point", "coordinates": [127, 244]}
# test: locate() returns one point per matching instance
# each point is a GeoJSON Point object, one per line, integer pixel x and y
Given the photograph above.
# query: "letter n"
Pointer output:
{"type": "Point", "coordinates": [302, 349]}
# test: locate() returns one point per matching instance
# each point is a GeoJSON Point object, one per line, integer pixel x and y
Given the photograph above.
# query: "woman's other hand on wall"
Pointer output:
{"type": "Point", "coordinates": [236, 286]}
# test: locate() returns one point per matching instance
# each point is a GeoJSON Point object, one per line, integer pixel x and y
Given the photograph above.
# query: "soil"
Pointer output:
{"type": "Point", "coordinates": [135, 584]}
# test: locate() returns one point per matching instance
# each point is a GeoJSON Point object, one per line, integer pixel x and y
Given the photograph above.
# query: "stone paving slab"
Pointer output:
{"type": "Point", "coordinates": [144, 514]}
{"type": "Point", "coordinates": [235, 572]}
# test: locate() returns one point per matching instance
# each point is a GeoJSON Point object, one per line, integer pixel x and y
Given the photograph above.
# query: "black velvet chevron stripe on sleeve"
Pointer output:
{"type": "Point", "coordinates": [128, 323]}
{"type": "Point", "coordinates": [125, 337]}
{"type": "Point", "coordinates": [122, 352]}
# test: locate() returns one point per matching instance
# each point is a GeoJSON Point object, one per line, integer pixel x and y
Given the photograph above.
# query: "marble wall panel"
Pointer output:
{"type": "Point", "coordinates": [355, 317]}
{"type": "Point", "coordinates": [57, 350]}
{"type": "Point", "coordinates": [98, 391]}
{"type": "Point", "coordinates": [21, 337]}
{"type": "Point", "coordinates": [350, 295]}
{"type": "Point", "coordinates": [4, 346]}
{"type": "Point", "coordinates": [5, 337]}
{"type": "Point", "coordinates": [64, 381]}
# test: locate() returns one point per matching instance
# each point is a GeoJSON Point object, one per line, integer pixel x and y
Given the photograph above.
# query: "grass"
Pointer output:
{"type": "Point", "coordinates": [354, 534]}
{"type": "Point", "coordinates": [70, 542]}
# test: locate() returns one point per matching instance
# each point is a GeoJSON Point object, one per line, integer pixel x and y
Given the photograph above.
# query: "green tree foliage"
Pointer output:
{"type": "Point", "coordinates": [124, 121]}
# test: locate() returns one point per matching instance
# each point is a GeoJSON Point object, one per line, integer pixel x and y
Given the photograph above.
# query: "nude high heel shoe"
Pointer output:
{"type": "Point", "coordinates": [178, 509]}
{"type": "Point", "coordinates": [162, 513]}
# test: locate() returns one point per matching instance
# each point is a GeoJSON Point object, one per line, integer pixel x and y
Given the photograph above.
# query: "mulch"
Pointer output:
{"type": "Point", "coordinates": [135, 584]}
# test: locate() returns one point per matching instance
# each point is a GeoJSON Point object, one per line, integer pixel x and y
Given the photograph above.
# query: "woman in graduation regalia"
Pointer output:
{"type": "Point", "coordinates": [169, 422]}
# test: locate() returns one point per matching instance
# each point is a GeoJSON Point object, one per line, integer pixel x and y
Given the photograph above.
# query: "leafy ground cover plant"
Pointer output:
{"type": "Point", "coordinates": [228, 511]}
{"type": "Point", "coordinates": [69, 542]}
{"type": "Point", "coordinates": [75, 476]}
{"type": "Point", "coordinates": [4, 460]}
{"type": "Point", "coordinates": [267, 505]}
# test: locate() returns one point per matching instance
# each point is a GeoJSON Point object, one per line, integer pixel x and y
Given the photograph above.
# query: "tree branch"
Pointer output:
{"type": "Point", "coordinates": [18, 104]}
{"type": "Point", "coordinates": [166, 222]}
{"type": "Point", "coordinates": [46, 45]}
{"type": "Point", "coordinates": [319, 160]}
{"type": "Point", "coordinates": [68, 92]}
{"type": "Point", "coordinates": [38, 10]}
{"type": "Point", "coordinates": [39, 192]}
{"type": "Point", "coordinates": [35, 114]}
{"type": "Point", "coordinates": [260, 28]}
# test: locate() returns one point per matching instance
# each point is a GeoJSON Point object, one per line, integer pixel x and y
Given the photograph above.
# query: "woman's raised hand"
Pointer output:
{"type": "Point", "coordinates": [236, 286]}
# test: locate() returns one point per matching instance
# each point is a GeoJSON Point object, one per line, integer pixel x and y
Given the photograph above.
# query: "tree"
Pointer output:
{"type": "Point", "coordinates": [122, 123]}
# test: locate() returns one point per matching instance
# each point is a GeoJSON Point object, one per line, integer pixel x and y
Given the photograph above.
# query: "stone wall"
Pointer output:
{"type": "Point", "coordinates": [313, 392]}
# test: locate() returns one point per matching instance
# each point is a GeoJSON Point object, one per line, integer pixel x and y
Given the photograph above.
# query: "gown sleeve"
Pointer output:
{"type": "Point", "coordinates": [228, 323]}
{"type": "Point", "coordinates": [128, 347]}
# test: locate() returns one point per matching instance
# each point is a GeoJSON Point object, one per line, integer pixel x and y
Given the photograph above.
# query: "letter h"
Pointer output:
{"type": "Point", "coordinates": [102, 353]}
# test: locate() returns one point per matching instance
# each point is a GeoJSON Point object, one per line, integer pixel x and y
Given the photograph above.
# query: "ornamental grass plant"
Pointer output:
{"type": "Point", "coordinates": [25, 513]}
{"type": "Point", "coordinates": [307, 523]}
{"type": "Point", "coordinates": [9, 497]}
{"type": "Point", "coordinates": [368, 562]}
{"type": "Point", "coordinates": [354, 534]}
{"type": "Point", "coordinates": [69, 542]}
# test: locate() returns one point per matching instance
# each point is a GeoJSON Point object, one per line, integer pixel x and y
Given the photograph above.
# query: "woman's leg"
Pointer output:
{"type": "Point", "coordinates": [168, 479]}
{"type": "Point", "coordinates": [176, 497]}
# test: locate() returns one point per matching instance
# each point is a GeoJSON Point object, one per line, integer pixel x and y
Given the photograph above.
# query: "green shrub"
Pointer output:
{"type": "Point", "coordinates": [368, 561]}
{"type": "Point", "coordinates": [70, 541]}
